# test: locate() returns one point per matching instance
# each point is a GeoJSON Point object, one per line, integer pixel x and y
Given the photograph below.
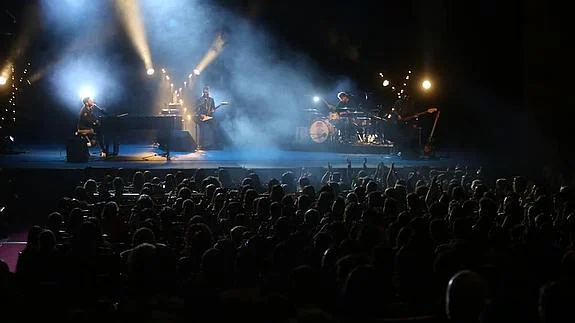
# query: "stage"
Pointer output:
{"type": "Point", "coordinates": [137, 156]}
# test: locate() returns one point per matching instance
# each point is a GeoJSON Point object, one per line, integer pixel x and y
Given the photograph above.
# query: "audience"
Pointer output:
{"type": "Point", "coordinates": [425, 245]}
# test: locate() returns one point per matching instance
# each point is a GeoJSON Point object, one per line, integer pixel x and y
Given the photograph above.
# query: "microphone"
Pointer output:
{"type": "Point", "coordinates": [97, 107]}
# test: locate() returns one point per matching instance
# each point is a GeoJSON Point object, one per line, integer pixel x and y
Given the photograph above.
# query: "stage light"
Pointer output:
{"type": "Point", "coordinates": [86, 92]}
{"type": "Point", "coordinates": [196, 72]}
{"type": "Point", "coordinates": [163, 71]}
{"type": "Point", "coordinates": [381, 74]}
{"type": "Point", "coordinates": [167, 77]}
{"type": "Point", "coordinates": [426, 85]}
{"type": "Point", "coordinates": [407, 77]}
{"type": "Point", "coordinates": [190, 76]}
{"type": "Point", "coordinates": [409, 72]}
{"type": "Point", "coordinates": [131, 17]}
{"type": "Point", "coordinates": [385, 82]}
{"type": "Point", "coordinates": [316, 99]}
{"type": "Point", "coordinates": [150, 71]}
{"type": "Point", "coordinates": [3, 80]}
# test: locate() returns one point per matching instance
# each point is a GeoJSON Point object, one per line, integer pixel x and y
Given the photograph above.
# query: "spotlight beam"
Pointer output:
{"type": "Point", "coordinates": [129, 12]}
{"type": "Point", "coordinates": [211, 54]}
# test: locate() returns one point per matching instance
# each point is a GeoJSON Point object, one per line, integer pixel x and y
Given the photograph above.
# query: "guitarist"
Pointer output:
{"type": "Point", "coordinates": [205, 105]}
{"type": "Point", "coordinates": [205, 108]}
{"type": "Point", "coordinates": [409, 133]}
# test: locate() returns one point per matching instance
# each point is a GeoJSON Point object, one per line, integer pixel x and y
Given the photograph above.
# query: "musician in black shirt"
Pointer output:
{"type": "Point", "coordinates": [205, 108]}
{"type": "Point", "coordinates": [344, 124]}
{"type": "Point", "coordinates": [89, 124]}
{"type": "Point", "coordinates": [344, 102]}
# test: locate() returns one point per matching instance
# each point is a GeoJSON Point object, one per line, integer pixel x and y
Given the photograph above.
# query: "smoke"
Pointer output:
{"type": "Point", "coordinates": [271, 86]}
{"type": "Point", "coordinates": [88, 74]}
{"type": "Point", "coordinates": [77, 63]}
{"type": "Point", "coordinates": [267, 84]}
{"type": "Point", "coordinates": [179, 33]}
{"type": "Point", "coordinates": [68, 19]}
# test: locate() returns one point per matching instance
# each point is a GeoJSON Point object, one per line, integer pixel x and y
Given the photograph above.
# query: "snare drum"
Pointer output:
{"type": "Point", "coordinates": [320, 130]}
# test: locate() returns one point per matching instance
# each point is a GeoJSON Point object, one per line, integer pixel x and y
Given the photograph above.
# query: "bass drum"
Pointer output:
{"type": "Point", "coordinates": [320, 131]}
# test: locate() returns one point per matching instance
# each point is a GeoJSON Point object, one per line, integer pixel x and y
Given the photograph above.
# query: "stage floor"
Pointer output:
{"type": "Point", "coordinates": [147, 156]}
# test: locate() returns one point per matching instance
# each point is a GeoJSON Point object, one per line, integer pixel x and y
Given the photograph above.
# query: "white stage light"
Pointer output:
{"type": "Point", "coordinates": [86, 91]}
{"type": "Point", "coordinates": [426, 85]}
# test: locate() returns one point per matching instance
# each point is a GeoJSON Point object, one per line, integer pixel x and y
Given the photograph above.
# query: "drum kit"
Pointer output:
{"type": "Point", "coordinates": [346, 126]}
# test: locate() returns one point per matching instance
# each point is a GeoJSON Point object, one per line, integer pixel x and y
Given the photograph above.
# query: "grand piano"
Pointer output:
{"type": "Point", "coordinates": [113, 127]}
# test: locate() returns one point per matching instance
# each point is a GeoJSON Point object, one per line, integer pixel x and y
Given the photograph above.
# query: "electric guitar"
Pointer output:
{"type": "Point", "coordinates": [206, 117]}
{"type": "Point", "coordinates": [428, 147]}
{"type": "Point", "coordinates": [411, 117]}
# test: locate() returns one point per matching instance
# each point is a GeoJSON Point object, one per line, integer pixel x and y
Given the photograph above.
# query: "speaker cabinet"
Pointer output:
{"type": "Point", "coordinates": [77, 150]}
{"type": "Point", "coordinates": [181, 141]}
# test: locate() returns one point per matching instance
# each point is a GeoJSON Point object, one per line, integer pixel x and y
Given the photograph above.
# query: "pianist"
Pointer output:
{"type": "Point", "coordinates": [89, 124]}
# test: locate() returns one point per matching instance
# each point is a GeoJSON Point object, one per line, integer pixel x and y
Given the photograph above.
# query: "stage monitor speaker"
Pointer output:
{"type": "Point", "coordinates": [77, 150]}
{"type": "Point", "coordinates": [181, 141]}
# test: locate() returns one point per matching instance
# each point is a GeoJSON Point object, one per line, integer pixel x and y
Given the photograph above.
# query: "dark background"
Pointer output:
{"type": "Point", "coordinates": [500, 68]}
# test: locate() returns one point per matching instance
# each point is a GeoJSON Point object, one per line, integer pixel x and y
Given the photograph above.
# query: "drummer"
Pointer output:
{"type": "Point", "coordinates": [344, 124]}
{"type": "Point", "coordinates": [344, 103]}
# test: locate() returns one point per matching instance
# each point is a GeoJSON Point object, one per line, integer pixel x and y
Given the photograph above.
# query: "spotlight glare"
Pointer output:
{"type": "Point", "coordinates": [86, 92]}
{"type": "Point", "coordinates": [407, 77]}
{"type": "Point", "coordinates": [3, 80]}
{"type": "Point", "coordinates": [426, 84]}
{"type": "Point", "coordinates": [316, 99]}
{"type": "Point", "coordinates": [385, 83]}
{"type": "Point", "coordinates": [150, 71]}
{"type": "Point", "coordinates": [196, 72]}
